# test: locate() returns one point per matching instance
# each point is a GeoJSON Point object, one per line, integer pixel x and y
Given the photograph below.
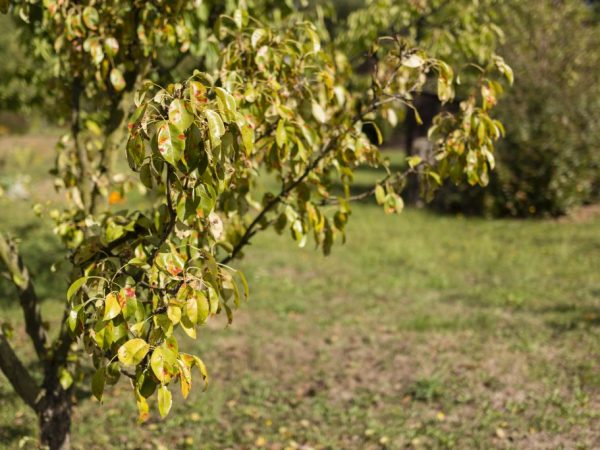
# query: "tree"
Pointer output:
{"type": "Point", "coordinates": [279, 98]}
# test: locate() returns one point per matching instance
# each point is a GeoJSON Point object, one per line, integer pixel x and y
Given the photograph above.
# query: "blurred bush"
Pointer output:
{"type": "Point", "coordinates": [17, 92]}
{"type": "Point", "coordinates": [549, 161]}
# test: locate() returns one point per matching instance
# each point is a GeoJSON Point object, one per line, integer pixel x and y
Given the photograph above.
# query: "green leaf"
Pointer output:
{"type": "Point", "coordinates": [227, 103]}
{"type": "Point", "coordinates": [165, 401]}
{"type": "Point", "coordinates": [65, 379]}
{"type": "Point", "coordinates": [413, 161]}
{"type": "Point", "coordinates": [171, 142]}
{"type": "Point", "coordinates": [377, 132]}
{"type": "Point", "coordinates": [379, 194]}
{"type": "Point", "coordinates": [73, 318]}
{"type": "Point", "coordinates": [202, 368]}
{"type": "Point", "coordinates": [132, 352]}
{"type": "Point", "coordinates": [114, 231]}
{"type": "Point", "coordinates": [318, 112]}
{"type": "Point", "coordinates": [117, 80]}
{"type": "Point", "coordinates": [202, 307]}
{"type": "Point", "coordinates": [136, 152]}
{"type": "Point", "coordinates": [244, 284]}
{"type": "Point", "coordinates": [112, 308]}
{"type": "Point", "coordinates": [98, 382]}
{"type": "Point", "coordinates": [248, 138]}
{"type": "Point", "coordinates": [238, 18]}
{"type": "Point", "coordinates": [75, 286]}
{"type": "Point", "coordinates": [216, 128]}
{"type": "Point", "coordinates": [280, 134]}
{"type": "Point", "coordinates": [179, 115]}
{"type": "Point", "coordinates": [136, 117]}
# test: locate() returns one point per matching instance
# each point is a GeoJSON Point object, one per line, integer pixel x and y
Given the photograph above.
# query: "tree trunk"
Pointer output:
{"type": "Point", "coordinates": [54, 413]}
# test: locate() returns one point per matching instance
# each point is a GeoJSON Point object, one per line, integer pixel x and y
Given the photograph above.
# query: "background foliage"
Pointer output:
{"type": "Point", "coordinates": [549, 161]}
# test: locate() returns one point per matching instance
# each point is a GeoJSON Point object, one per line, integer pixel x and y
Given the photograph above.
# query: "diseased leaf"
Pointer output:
{"type": "Point", "coordinates": [143, 409]}
{"type": "Point", "coordinates": [216, 128]}
{"type": "Point", "coordinates": [171, 142]}
{"type": "Point", "coordinates": [185, 378]}
{"type": "Point", "coordinates": [163, 362]}
{"type": "Point", "coordinates": [197, 94]}
{"type": "Point", "coordinates": [257, 37]}
{"type": "Point", "coordinates": [117, 79]}
{"type": "Point", "coordinates": [91, 18]}
{"type": "Point", "coordinates": [111, 46]}
{"type": "Point", "coordinates": [179, 115]}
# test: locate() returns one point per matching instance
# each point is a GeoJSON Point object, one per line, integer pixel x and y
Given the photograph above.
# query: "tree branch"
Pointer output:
{"type": "Point", "coordinates": [85, 175]}
{"type": "Point", "coordinates": [19, 274]}
{"type": "Point", "coordinates": [369, 192]}
{"type": "Point", "coordinates": [172, 218]}
{"type": "Point", "coordinates": [18, 376]}
{"type": "Point", "coordinates": [251, 230]}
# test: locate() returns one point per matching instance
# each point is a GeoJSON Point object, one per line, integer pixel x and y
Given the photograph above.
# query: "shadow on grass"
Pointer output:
{"type": "Point", "coordinates": [11, 434]}
{"type": "Point", "coordinates": [568, 317]}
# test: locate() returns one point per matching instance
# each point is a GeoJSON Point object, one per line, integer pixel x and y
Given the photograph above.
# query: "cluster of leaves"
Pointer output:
{"type": "Point", "coordinates": [278, 99]}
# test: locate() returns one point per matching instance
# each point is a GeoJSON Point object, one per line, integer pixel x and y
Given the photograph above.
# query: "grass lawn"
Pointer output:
{"type": "Point", "coordinates": [423, 331]}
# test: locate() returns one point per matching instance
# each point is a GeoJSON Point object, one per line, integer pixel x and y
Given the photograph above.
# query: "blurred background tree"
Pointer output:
{"type": "Point", "coordinates": [18, 96]}
{"type": "Point", "coordinates": [549, 161]}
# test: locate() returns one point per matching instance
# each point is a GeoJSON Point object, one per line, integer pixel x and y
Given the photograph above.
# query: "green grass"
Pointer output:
{"type": "Point", "coordinates": [423, 331]}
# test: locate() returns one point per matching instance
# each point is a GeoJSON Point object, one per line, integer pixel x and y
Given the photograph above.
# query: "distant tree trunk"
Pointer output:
{"type": "Point", "coordinates": [429, 106]}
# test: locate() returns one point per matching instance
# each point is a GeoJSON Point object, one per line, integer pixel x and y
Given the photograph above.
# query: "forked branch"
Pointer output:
{"type": "Point", "coordinates": [11, 259]}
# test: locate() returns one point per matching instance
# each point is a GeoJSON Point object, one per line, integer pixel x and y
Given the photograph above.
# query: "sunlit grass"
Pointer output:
{"type": "Point", "coordinates": [422, 330]}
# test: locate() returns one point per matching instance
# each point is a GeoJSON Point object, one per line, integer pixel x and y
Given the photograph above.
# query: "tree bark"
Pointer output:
{"type": "Point", "coordinates": [54, 413]}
